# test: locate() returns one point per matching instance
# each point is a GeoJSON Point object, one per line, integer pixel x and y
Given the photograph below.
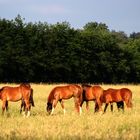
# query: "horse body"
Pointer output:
{"type": "Point", "coordinates": [12, 95]}
{"type": "Point", "coordinates": [15, 94]}
{"type": "Point", "coordinates": [117, 95]}
{"type": "Point", "coordinates": [61, 93]}
{"type": "Point", "coordinates": [92, 93]}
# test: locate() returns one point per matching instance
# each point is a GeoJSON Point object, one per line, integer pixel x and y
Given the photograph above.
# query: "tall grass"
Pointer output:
{"type": "Point", "coordinates": [40, 125]}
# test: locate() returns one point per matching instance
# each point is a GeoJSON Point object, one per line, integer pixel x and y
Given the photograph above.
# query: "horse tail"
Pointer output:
{"type": "Point", "coordinates": [130, 101]}
{"type": "Point", "coordinates": [31, 98]}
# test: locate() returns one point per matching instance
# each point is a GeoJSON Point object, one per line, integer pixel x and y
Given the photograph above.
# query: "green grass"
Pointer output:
{"type": "Point", "coordinates": [40, 125]}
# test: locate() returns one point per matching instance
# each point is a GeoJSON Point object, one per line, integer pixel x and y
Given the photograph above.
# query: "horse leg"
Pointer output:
{"type": "Point", "coordinates": [3, 107]}
{"type": "Point", "coordinates": [53, 106]}
{"type": "Point", "coordinates": [99, 105]}
{"type": "Point", "coordinates": [6, 105]}
{"type": "Point", "coordinates": [27, 104]}
{"type": "Point", "coordinates": [81, 103]}
{"type": "Point", "coordinates": [22, 104]}
{"type": "Point", "coordinates": [119, 105]}
{"type": "Point", "coordinates": [87, 106]}
{"type": "Point", "coordinates": [111, 107]}
{"type": "Point", "coordinates": [62, 105]}
{"type": "Point", "coordinates": [77, 105]}
{"type": "Point", "coordinates": [96, 108]}
{"type": "Point", "coordinates": [122, 106]}
{"type": "Point", "coordinates": [106, 105]}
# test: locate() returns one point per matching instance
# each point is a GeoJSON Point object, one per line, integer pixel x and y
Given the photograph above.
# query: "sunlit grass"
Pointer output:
{"type": "Point", "coordinates": [40, 125]}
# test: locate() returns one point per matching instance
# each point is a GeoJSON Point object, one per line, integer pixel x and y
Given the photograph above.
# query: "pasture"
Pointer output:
{"type": "Point", "coordinates": [71, 126]}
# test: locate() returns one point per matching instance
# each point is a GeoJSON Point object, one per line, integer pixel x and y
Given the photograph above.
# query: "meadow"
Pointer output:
{"type": "Point", "coordinates": [71, 126]}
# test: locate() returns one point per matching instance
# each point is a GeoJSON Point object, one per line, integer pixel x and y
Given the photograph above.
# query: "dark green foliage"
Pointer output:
{"type": "Point", "coordinates": [39, 52]}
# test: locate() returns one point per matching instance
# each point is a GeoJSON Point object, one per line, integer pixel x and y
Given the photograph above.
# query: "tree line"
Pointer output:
{"type": "Point", "coordinates": [42, 52]}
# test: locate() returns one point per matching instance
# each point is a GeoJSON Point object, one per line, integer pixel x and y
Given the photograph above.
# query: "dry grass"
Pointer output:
{"type": "Point", "coordinates": [39, 125]}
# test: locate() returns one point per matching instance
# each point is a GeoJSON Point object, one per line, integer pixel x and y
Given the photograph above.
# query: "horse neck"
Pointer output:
{"type": "Point", "coordinates": [50, 97]}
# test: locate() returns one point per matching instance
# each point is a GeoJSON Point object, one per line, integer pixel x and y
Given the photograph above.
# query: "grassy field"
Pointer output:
{"type": "Point", "coordinates": [40, 126]}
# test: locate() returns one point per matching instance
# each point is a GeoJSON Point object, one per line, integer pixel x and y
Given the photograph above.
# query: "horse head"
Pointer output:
{"type": "Point", "coordinates": [49, 107]}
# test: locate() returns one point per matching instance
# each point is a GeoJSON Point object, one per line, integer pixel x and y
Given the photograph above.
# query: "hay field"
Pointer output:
{"type": "Point", "coordinates": [88, 126]}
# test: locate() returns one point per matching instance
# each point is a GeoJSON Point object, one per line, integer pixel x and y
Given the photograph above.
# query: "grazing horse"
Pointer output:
{"type": "Point", "coordinates": [119, 96]}
{"type": "Point", "coordinates": [92, 93]}
{"type": "Point", "coordinates": [60, 93]}
{"type": "Point", "coordinates": [22, 92]}
{"type": "Point", "coordinates": [23, 105]}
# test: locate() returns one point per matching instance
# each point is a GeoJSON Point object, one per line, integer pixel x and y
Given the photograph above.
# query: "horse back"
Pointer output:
{"type": "Point", "coordinates": [68, 91]}
{"type": "Point", "coordinates": [111, 95]}
{"type": "Point", "coordinates": [10, 93]}
{"type": "Point", "coordinates": [116, 95]}
{"type": "Point", "coordinates": [59, 92]}
{"type": "Point", "coordinates": [65, 92]}
{"type": "Point", "coordinates": [92, 92]}
{"type": "Point", "coordinates": [76, 89]}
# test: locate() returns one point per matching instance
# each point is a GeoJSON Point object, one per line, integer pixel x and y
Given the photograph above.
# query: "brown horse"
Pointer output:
{"type": "Point", "coordinates": [23, 105]}
{"type": "Point", "coordinates": [22, 92]}
{"type": "Point", "coordinates": [119, 96]}
{"type": "Point", "coordinates": [61, 93]}
{"type": "Point", "coordinates": [92, 93]}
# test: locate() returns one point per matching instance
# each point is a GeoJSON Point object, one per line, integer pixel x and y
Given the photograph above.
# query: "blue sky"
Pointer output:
{"type": "Point", "coordinates": [119, 15]}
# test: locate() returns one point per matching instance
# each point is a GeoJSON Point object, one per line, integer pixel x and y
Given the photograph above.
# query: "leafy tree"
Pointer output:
{"type": "Point", "coordinates": [42, 52]}
{"type": "Point", "coordinates": [135, 35]}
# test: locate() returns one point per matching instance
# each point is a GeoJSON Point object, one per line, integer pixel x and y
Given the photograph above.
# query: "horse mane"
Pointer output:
{"type": "Point", "coordinates": [86, 85]}
{"type": "Point", "coordinates": [25, 85]}
{"type": "Point", "coordinates": [51, 96]}
{"type": "Point", "coordinates": [2, 89]}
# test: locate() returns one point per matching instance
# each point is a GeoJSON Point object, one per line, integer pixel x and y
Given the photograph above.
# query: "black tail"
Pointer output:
{"type": "Point", "coordinates": [31, 98]}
